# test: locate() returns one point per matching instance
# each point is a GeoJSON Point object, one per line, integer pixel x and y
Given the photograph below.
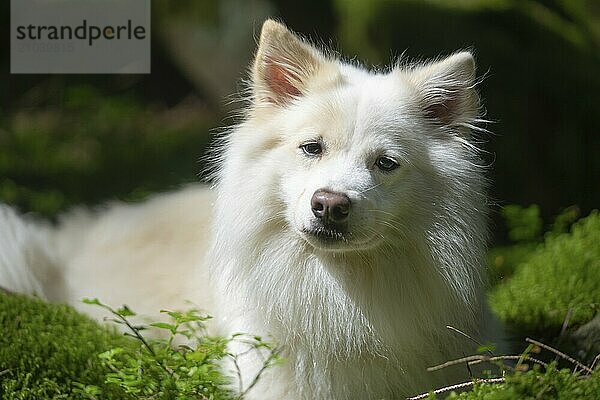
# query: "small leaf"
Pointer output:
{"type": "Point", "coordinates": [140, 327]}
{"type": "Point", "coordinates": [164, 325]}
{"type": "Point", "coordinates": [125, 311]}
{"type": "Point", "coordinates": [486, 348]}
{"type": "Point", "coordinates": [92, 301]}
{"type": "Point", "coordinates": [108, 355]}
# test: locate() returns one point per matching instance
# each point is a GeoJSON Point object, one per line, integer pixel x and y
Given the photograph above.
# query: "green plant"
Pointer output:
{"type": "Point", "coordinates": [160, 369]}
{"type": "Point", "coordinates": [523, 377]}
{"type": "Point", "coordinates": [524, 228]}
{"type": "Point", "coordinates": [561, 274]}
{"type": "Point", "coordinates": [538, 383]}
{"type": "Point", "coordinates": [49, 351]}
{"type": "Point", "coordinates": [524, 225]}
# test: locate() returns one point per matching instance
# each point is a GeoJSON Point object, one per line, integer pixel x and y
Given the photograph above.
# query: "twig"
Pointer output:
{"type": "Point", "coordinates": [566, 322]}
{"type": "Point", "coordinates": [239, 373]}
{"type": "Point", "coordinates": [454, 362]}
{"type": "Point", "coordinates": [457, 386]}
{"type": "Point", "coordinates": [139, 336]}
{"type": "Point", "coordinates": [274, 354]}
{"type": "Point", "coordinates": [477, 342]}
{"type": "Point", "coordinates": [476, 359]}
{"type": "Point", "coordinates": [596, 359]}
{"type": "Point", "coordinates": [131, 328]}
{"type": "Point", "coordinates": [468, 365]}
{"type": "Point", "coordinates": [561, 354]}
{"type": "Point", "coordinates": [507, 357]}
{"type": "Point", "coordinates": [530, 348]}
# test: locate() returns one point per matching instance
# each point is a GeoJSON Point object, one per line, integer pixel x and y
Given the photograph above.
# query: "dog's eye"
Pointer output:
{"type": "Point", "coordinates": [386, 164]}
{"type": "Point", "coordinates": [312, 148]}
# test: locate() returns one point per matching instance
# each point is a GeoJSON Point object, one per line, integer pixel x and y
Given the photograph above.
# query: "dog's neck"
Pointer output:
{"type": "Point", "coordinates": [345, 304]}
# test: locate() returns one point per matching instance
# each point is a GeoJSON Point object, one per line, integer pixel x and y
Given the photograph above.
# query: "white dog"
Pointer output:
{"type": "Point", "coordinates": [347, 224]}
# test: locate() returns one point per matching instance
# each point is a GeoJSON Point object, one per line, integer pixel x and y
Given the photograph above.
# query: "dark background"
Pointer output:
{"type": "Point", "coordinates": [71, 139]}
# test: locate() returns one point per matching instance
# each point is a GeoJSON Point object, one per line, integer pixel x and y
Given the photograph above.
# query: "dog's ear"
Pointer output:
{"type": "Point", "coordinates": [284, 65]}
{"type": "Point", "coordinates": [446, 89]}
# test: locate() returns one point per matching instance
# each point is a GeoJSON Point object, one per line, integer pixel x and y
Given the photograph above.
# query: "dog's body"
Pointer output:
{"type": "Point", "coordinates": [348, 226]}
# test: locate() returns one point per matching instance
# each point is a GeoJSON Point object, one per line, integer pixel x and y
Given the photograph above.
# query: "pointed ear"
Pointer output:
{"type": "Point", "coordinates": [284, 65]}
{"type": "Point", "coordinates": [447, 90]}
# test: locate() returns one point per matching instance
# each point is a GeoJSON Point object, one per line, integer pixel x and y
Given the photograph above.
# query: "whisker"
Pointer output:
{"type": "Point", "coordinates": [382, 212]}
{"type": "Point", "coordinates": [370, 188]}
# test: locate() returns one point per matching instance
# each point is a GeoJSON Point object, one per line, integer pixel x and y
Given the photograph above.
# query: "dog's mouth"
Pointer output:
{"type": "Point", "coordinates": [327, 235]}
{"type": "Point", "coordinates": [331, 239]}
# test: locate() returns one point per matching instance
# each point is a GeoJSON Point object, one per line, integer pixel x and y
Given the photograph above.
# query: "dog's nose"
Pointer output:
{"type": "Point", "coordinates": [330, 206]}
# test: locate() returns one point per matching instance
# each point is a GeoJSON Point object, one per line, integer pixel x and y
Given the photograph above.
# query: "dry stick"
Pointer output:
{"type": "Point", "coordinates": [457, 386]}
{"type": "Point", "coordinates": [454, 362]}
{"type": "Point", "coordinates": [596, 359]}
{"type": "Point", "coordinates": [239, 374]}
{"type": "Point", "coordinates": [561, 354]}
{"type": "Point", "coordinates": [477, 342]}
{"type": "Point", "coordinates": [274, 354]}
{"type": "Point", "coordinates": [566, 322]}
{"type": "Point", "coordinates": [476, 359]}
{"type": "Point", "coordinates": [507, 357]}
{"type": "Point", "coordinates": [491, 353]}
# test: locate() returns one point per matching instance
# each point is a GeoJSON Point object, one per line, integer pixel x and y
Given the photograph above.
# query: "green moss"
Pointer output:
{"type": "Point", "coordinates": [550, 384]}
{"type": "Point", "coordinates": [159, 370]}
{"type": "Point", "coordinates": [524, 223]}
{"type": "Point", "coordinates": [562, 273]}
{"type": "Point", "coordinates": [50, 351]}
{"type": "Point", "coordinates": [524, 227]}
{"type": "Point", "coordinates": [503, 260]}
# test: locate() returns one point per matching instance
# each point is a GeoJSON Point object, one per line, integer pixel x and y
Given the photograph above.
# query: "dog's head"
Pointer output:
{"type": "Point", "coordinates": [347, 157]}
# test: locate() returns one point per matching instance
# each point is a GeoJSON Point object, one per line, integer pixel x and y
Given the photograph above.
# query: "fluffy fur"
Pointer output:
{"type": "Point", "coordinates": [361, 316]}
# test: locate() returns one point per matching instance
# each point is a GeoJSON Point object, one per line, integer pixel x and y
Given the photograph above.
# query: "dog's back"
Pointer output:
{"type": "Point", "coordinates": [144, 255]}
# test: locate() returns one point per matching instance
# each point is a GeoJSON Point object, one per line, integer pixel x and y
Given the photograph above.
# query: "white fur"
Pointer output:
{"type": "Point", "coordinates": [25, 258]}
{"type": "Point", "coordinates": [359, 319]}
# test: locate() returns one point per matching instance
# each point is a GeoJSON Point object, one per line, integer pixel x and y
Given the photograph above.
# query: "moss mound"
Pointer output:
{"type": "Point", "coordinates": [50, 351]}
{"type": "Point", "coordinates": [563, 273]}
{"type": "Point", "coordinates": [549, 385]}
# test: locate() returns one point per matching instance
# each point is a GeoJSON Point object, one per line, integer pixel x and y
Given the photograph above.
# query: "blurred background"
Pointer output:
{"type": "Point", "coordinates": [73, 139]}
